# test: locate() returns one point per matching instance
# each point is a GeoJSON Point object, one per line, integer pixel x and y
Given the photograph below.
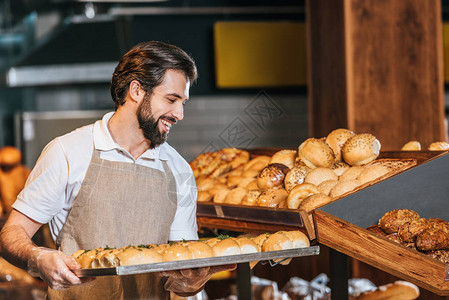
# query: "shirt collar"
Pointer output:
{"type": "Point", "coordinates": [103, 140]}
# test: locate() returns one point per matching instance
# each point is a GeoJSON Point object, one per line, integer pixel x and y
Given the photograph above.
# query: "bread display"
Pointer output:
{"type": "Point", "coordinates": [406, 227]}
{"type": "Point", "coordinates": [214, 247]}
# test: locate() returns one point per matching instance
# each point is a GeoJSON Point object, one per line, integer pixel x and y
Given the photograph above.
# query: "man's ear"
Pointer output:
{"type": "Point", "coordinates": [135, 91]}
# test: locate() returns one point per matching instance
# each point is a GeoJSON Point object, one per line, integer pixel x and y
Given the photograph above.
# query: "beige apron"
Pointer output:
{"type": "Point", "coordinates": [119, 204]}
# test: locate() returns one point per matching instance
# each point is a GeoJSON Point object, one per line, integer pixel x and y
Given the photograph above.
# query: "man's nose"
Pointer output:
{"type": "Point", "coordinates": [178, 113]}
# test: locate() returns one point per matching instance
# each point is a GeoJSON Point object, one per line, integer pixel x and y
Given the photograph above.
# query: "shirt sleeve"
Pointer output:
{"type": "Point", "coordinates": [44, 193]}
{"type": "Point", "coordinates": [184, 225]}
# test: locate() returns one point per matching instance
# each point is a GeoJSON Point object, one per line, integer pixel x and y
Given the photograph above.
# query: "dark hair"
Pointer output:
{"type": "Point", "coordinates": [147, 63]}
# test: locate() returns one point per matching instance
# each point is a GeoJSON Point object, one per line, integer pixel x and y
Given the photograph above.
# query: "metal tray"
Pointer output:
{"type": "Point", "coordinates": [201, 262]}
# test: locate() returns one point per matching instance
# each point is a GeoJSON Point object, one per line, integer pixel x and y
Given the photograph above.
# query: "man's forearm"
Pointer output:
{"type": "Point", "coordinates": [15, 245]}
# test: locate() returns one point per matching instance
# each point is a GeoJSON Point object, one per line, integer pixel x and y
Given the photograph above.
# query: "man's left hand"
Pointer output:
{"type": "Point", "coordinates": [189, 282]}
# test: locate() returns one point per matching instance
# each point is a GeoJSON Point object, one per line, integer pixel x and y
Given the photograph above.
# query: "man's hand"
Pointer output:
{"type": "Point", "coordinates": [55, 268]}
{"type": "Point", "coordinates": [189, 282]}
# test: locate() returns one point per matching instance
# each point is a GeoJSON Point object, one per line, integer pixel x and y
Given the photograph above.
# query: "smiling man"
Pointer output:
{"type": "Point", "coordinates": [114, 183]}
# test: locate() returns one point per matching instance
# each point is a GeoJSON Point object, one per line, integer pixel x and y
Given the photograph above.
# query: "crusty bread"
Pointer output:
{"type": "Point", "coordinates": [295, 176]}
{"type": "Point", "coordinates": [318, 175]}
{"type": "Point", "coordinates": [314, 201]}
{"type": "Point", "coordinates": [336, 139]}
{"type": "Point", "coordinates": [399, 290]}
{"type": "Point", "coordinates": [250, 198]}
{"type": "Point", "coordinates": [285, 157]}
{"type": "Point", "coordinates": [339, 167]}
{"type": "Point", "coordinates": [272, 175]}
{"type": "Point", "coordinates": [316, 153]}
{"type": "Point", "coordinates": [299, 193]}
{"type": "Point", "coordinates": [411, 146]}
{"type": "Point", "coordinates": [438, 146]}
{"type": "Point", "coordinates": [325, 187]}
{"type": "Point", "coordinates": [361, 149]}
{"type": "Point", "coordinates": [275, 197]}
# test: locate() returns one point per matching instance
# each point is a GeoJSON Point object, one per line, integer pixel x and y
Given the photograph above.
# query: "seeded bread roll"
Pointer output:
{"type": "Point", "coordinates": [316, 153]}
{"type": "Point", "coordinates": [272, 175]}
{"type": "Point", "coordinates": [250, 198]}
{"type": "Point", "coordinates": [351, 173]}
{"type": "Point", "coordinates": [343, 187]}
{"type": "Point", "coordinates": [325, 187]}
{"type": "Point", "coordinates": [412, 146]}
{"type": "Point", "coordinates": [340, 167]}
{"type": "Point", "coordinates": [393, 220]}
{"type": "Point", "coordinates": [336, 139]}
{"type": "Point", "coordinates": [295, 176]}
{"type": "Point", "coordinates": [299, 193]}
{"type": "Point", "coordinates": [285, 157]}
{"type": "Point", "coordinates": [275, 197]}
{"type": "Point", "coordinates": [372, 172]}
{"type": "Point", "coordinates": [438, 146]}
{"type": "Point", "coordinates": [314, 201]}
{"type": "Point", "coordinates": [318, 175]}
{"type": "Point", "coordinates": [361, 149]}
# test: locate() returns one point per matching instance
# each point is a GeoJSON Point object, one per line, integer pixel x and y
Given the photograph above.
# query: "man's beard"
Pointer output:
{"type": "Point", "coordinates": [149, 125]}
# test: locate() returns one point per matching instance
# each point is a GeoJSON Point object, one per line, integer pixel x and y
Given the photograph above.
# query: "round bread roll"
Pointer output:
{"type": "Point", "coordinates": [298, 239]}
{"type": "Point", "coordinates": [212, 242]}
{"type": "Point", "coordinates": [360, 149]}
{"type": "Point", "coordinates": [274, 197]}
{"type": "Point", "coordinates": [314, 201]}
{"type": "Point", "coordinates": [257, 163]}
{"type": "Point", "coordinates": [226, 247]}
{"type": "Point", "coordinates": [245, 181]}
{"type": "Point", "coordinates": [316, 153]}
{"type": "Point", "coordinates": [336, 139]}
{"type": "Point", "coordinates": [235, 196]}
{"type": "Point", "coordinates": [295, 176]}
{"type": "Point", "coordinates": [318, 175]}
{"type": "Point", "coordinates": [299, 193]}
{"type": "Point", "coordinates": [137, 256]}
{"type": "Point", "coordinates": [109, 260]}
{"type": "Point", "coordinates": [325, 187]}
{"type": "Point", "coordinates": [277, 241]}
{"type": "Point", "coordinates": [204, 196]}
{"type": "Point", "coordinates": [200, 249]}
{"type": "Point", "coordinates": [97, 262]}
{"type": "Point", "coordinates": [177, 252]}
{"type": "Point", "coordinates": [216, 187]}
{"type": "Point", "coordinates": [393, 220]}
{"type": "Point", "coordinates": [340, 167]}
{"type": "Point", "coordinates": [220, 195]}
{"type": "Point", "coordinates": [285, 157]}
{"type": "Point", "coordinates": [438, 146]}
{"type": "Point", "coordinates": [412, 146]}
{"type": "Point", "coordinates": [351, 173]}
{"type": "Point", "coordinates": [252, 185]}
{"type": "Point", "coordinates": [343, 187]}
{"type": "Point", "coordinates": [271, 176]}
{"type": "Point", "coordinates": [250, 198]}
{"type": "Point", "coordinates": [260, 239]}
{"type": "Point", "coordinates": [372, 172]}
{"type": "Point", "coordinates": [10, 156]}
{"type": "Point", "coordinates": [247, 245]}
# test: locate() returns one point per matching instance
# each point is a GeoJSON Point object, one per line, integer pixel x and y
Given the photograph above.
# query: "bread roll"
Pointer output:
{"type": "Point", "coordinates": [138, 256]}
{"type": "Point", "coordinates": [234, 180]}
{"type": "Point", "coordinates": [235, 157]}
{"type": "Point", "coordinates": [220, 195]}
{"type": "Point", "coordinates": [245, 181]}
{"type": "Point", "coordinates": [275, 197]}
{"type": "Point", "coordinates": [226, 247]}
{"type": "Point", "coordinates": [277, 241]}
{"type": "Point", "coordinates": [222, 168]}
{"type": "Point", "coordinates": [10, 156]}
{"type": "Point", "coordinates": [351, 173]}
{"type": "Point", "coordinates": [250, 198]}
{"type": "Point", "coordinates": [318, 175]}
{"type": "Point", "coordinates": [97, 261]}
{"type": "Point", "coordinates": [439, 146]}
{"type": "Point", "coordinates": [361, 149]}
{"type": "Point", "coordinates": [314, 201]}
{"type": "Point", "coordinates": [325, 187]}
{"type": "Point", "coordinates": [432, 239]}
{"type": "Point", "coordinates": [336, 139]}
{"type": "Point", "coordinates": [298, 239]}
{"type": "Point", "coordinates": [85, 259]}
{"type": "Point", "coordinates": [235, 196]}
{"type": "Point", "coordinates": [216, 187]}
{"type": "Point", "coordinates": [177, 252]}
{"type": "Point", "coordinates": [343, 187]}
{"type": "Point", "coordinates": [410, 230]}
{"type": "Point", "coordinates": [339, 167]}
{"type": "Point", "coordinates": [316, 153]}
{"type": "Point", "coordinates": [391, 221]}
{"type": "Point", "coordinates": [212, 242]}
{"type": "Point", "coordinates": [252, 185]}
{"type": "Point", "coordinates": [260, 239]}
{"type": "Point", "coordinates": [299, 193]}
{"type": "Point", "coordinates": [399, 290]}
{"type": "Point", "coordinates": [372, 172]}
{"type": "Point", "coordinates": [271, 176]}
{"type": "Point", "coordinates": [412, 146]}
{"type": "Point", "coordinates": [285, 157]}
{"type": "Point", "coordinates": [200, 249]}
{"type": "Point", "coordinates": [247, 245]}
{"type": "Point", "coordinates": [295, 176]}
{"type": "Point", "coordinates": [204, 196]}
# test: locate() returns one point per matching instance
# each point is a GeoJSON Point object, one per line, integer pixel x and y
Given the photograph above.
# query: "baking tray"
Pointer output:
{"type": "Point", "coordinates": [197, 263]}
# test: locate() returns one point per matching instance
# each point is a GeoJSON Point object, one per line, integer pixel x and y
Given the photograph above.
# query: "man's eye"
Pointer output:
{"type": "Point", "coordinates": [172, 100]}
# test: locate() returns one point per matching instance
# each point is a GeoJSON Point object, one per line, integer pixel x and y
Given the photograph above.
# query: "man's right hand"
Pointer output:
{"type": "Point", "coordinates": [55, 268]}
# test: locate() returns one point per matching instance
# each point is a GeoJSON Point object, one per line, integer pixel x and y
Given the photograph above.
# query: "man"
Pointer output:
{"type": "Point", "coordinates": [114, 183]}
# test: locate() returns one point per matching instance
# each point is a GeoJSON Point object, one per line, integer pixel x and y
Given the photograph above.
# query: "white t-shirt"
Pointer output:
{"type": "Point", "coordinates": [59, 172]}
